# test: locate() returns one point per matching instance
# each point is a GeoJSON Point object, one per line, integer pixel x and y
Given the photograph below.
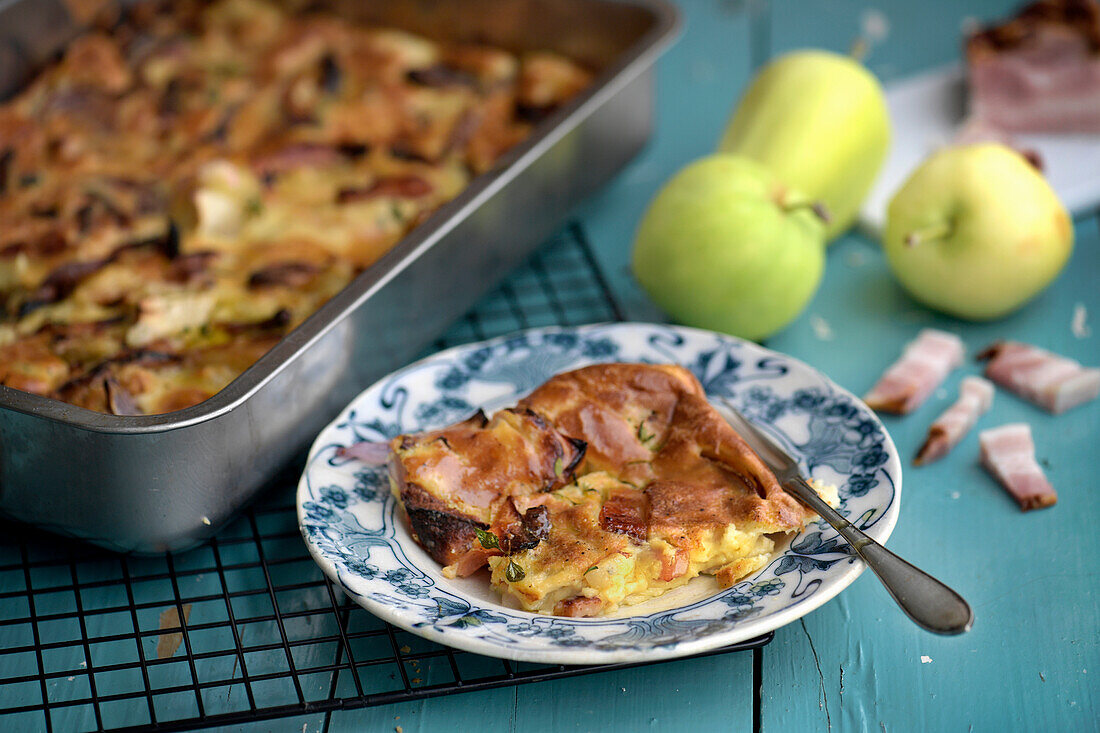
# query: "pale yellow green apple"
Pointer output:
{"type": "Point", "coordinates": [819, 121]}
{"type": "Point", "coordinates": [725, 246]}
{"type": "Point", "coordinates": [976, 232]}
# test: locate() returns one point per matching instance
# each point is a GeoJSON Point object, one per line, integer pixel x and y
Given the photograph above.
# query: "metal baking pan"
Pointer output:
{"type": "Point", "coordinates": [150, 484]}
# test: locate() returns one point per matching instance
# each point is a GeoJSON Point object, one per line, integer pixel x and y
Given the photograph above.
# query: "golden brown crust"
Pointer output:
{"type": "Point", "coordinates": [622, 411]}
{"type": "Point", "coordinates": [648, 423]}
{"type": "Point", "coordinates": [206, 175]}
{"type": "Point", "coordinates": [444, 532]}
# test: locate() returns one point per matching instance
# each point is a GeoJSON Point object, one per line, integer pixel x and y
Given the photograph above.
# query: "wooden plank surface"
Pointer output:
{"type": "Point", "coordinates": [1033, 659]}
{"type": "Point", "coordinates": [714, 693]}
{"type": "Point", "coordinates": [1031, 578]}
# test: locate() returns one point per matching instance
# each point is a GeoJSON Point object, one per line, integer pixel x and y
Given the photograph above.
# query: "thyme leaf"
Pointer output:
{"type": "Point", "coordinates": [514, 572]}
{"type": "Point", "coordinates": [488, 540]}
{"type": "Point", "coordinates": [643, 433]}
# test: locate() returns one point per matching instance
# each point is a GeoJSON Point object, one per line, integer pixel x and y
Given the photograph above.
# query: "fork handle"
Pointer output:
{"type": "Point", "coordinates": [930, 603]}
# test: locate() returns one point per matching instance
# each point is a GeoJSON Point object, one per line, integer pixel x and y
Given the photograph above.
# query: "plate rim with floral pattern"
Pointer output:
{"type": "Point", "coordinates": [354, 531]}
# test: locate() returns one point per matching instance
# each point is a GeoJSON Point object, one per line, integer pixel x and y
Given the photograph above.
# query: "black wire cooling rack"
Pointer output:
{"type": "Point", "coordinates": [246, 627]}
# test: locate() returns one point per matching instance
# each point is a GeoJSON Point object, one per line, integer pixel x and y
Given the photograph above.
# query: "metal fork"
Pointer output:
{"type": "Point", "coordinates": [930, 603]}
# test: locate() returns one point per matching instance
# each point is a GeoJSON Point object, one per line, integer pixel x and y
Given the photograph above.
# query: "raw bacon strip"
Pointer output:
{"type": "Point", "coordinates": [374, 454]}
{"type": "Point", "coordinates": [975, 398]}
{"type": "Point", "coordinates": [1053, 382]}
{"type": "Point", "coordinates": [1008, 453]}
{"type": "Point", "coordinates": [922, 366]}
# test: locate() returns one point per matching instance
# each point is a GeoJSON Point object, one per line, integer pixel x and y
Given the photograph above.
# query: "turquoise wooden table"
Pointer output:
{"type": "Point", "coordinates": [1032, 660]}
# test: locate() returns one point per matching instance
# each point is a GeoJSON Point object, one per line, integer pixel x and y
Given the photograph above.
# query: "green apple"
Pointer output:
{"type": "Point", "coordinates": [819, 121]}
{"type": "Point", "coordinates": [976, 232]}
{"type": "Point", "coordinates": [725, 246]}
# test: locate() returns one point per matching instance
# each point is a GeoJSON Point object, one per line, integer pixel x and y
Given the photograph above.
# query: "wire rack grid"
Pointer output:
{"type": "Point", "coordinates": [246, 627]}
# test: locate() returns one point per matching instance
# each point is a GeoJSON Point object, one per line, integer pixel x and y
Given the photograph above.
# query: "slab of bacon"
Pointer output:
{"type": "Point", "coordinates": [975, 398]}
{"type": "Point", "coordinates": [1008, 453]}
{"type": "Point", "coordinates": [1053, 382]}
{"type": "Point", "coordinates": [923, 365]}
{"type": "Point", "coordinates": [1040, 71]}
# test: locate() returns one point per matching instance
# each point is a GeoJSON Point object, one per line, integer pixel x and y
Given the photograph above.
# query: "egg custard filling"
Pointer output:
{"type": "Point", "coordinates": [583, 570]}
{"type": "Point", "coordinates": [607, 486]}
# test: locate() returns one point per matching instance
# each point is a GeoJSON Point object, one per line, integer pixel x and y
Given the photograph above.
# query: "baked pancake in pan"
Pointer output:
{"type": "Point", "coordinates": [192, 180]}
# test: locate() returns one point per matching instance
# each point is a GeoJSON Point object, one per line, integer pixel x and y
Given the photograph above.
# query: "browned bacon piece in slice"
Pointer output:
{"type": "Point", "coordinates": [975, 399]}
{"type": "Point", "coordinates": [516, 532]}
{"type": "Point", "coordinates": [923, 365]}
{"type": "Point", "coordinates": [578, 606]}
{"type": "Point", "coordinates": [626, 511]}
{"type": "Point", "coordinates": [1053, 382]}
{"type": "Point", "coordinates": [1008, 453]}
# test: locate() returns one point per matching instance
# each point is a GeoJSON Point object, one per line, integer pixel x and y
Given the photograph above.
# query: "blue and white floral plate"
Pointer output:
{"type": "Point", "coordinates": [356, 533]}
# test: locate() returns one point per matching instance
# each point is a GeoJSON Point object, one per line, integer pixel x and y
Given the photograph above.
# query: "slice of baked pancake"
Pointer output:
{"type": "Point", "coordinates": [607, 486]}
